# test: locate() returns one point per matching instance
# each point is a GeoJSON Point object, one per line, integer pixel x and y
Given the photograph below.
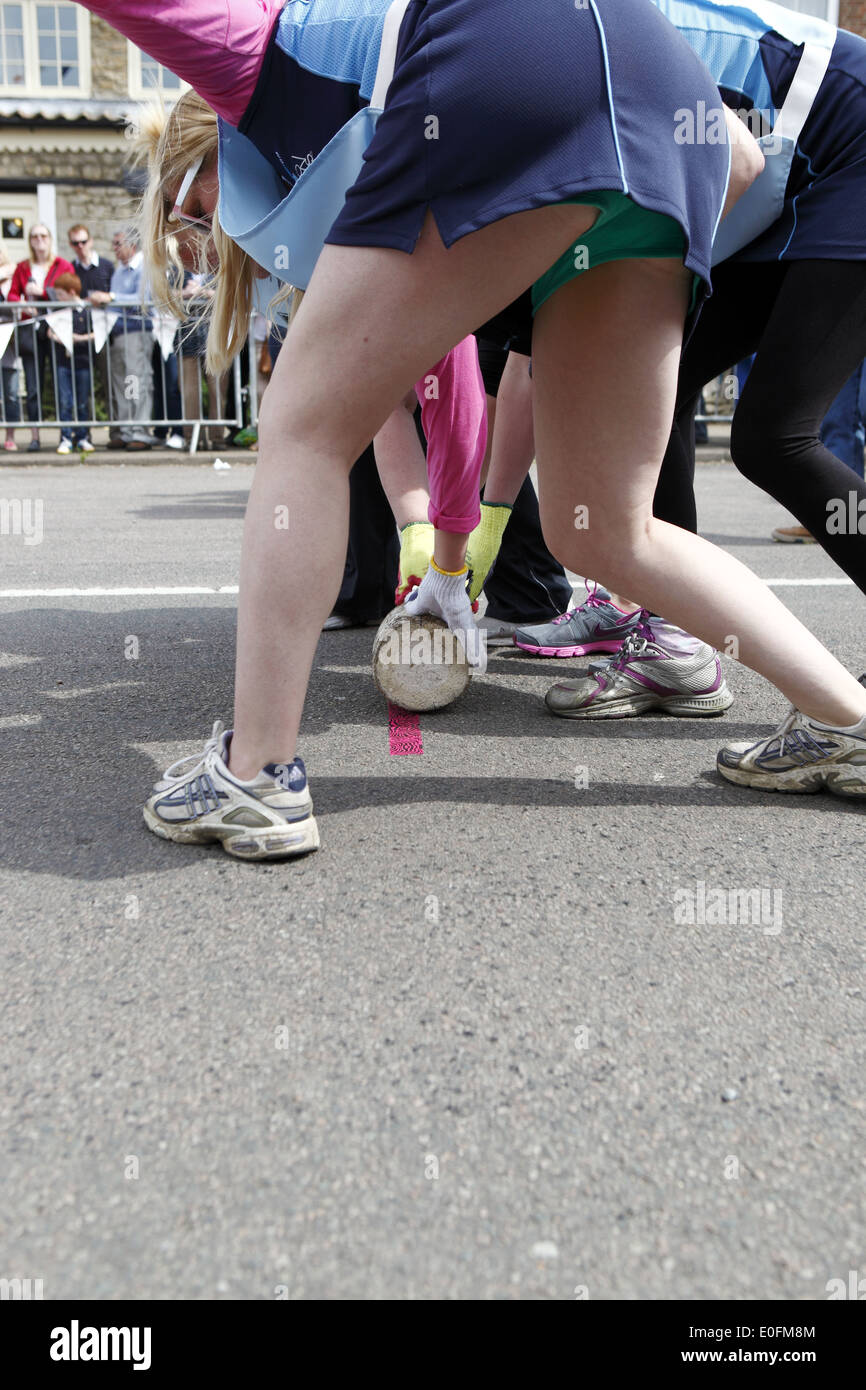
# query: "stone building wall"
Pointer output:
{"type": "Point", "coordinates": [852, 15]}
{"type": "Point", "coordinates": [103, 205]}
{"type": "Point", "coordinates": [108, 61]}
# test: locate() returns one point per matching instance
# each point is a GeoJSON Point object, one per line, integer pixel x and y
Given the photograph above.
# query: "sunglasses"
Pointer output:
{"type": "Point", "coordinates": [82, 241]}
{"type": "Point", "coordinates": [177, 214]}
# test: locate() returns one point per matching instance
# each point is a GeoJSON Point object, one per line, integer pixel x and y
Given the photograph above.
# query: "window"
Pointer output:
{"type": "Point", "coordinates": [57, 37]}
{"type": "Point", "coordinates": [44, 49]}
{"type": "Point", "coordinates": [12, 72]}
{"type": "Point", "coordinates": [149, 78]}
{"type": "Point", "coordinates": [821, 9]}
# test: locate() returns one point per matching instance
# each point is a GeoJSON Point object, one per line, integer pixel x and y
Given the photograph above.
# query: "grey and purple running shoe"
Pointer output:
{"type": "Point", "coordinates": [659, 667]}
{"type": "Point", "coordinates": [597, 625]}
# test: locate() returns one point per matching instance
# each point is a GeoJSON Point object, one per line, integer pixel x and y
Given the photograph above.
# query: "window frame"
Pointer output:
{"type": "Point", "coordinates": [32, 85]}
{"type": "Point", "coordinates": [137, 88]}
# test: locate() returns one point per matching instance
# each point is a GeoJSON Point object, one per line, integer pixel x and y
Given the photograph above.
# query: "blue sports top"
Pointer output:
{"type": "Point", "coordinates": [752, 51]}
{"type": "Point", "coordinates": [468, 133]}
{"type": "Point", "coordinates": [318, 71]}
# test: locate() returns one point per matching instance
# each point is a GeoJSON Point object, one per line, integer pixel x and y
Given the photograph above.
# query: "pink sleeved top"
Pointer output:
{"type": "Point", "coordinates": [454, 416]}
{"type": "Point", "coordinates": [217, 46]}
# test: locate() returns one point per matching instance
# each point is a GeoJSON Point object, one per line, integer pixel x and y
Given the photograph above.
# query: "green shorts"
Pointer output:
{"type": "Point", "coordinates": [621, 232]}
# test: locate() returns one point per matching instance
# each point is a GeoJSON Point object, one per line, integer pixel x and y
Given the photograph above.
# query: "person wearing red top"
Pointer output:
{"type": "Point", "coordinates": [32, 278]}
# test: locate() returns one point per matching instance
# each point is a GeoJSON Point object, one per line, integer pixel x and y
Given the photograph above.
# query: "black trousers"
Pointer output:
{"type": "Point", "coordinates": [806, 321]}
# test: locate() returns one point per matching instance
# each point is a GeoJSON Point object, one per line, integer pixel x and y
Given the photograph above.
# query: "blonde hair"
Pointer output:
{"type": "Point", "coordinates": [170, 142]}
{"type": "Point", "coordinates": [51, 252]}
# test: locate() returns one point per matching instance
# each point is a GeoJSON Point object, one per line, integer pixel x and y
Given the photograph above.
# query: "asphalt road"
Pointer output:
{"type": "Point", "coordinates": [470, 1049]}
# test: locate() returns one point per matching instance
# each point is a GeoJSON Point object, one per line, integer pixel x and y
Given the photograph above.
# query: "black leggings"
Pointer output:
{"type": "Point", "coordinates": [806, 320]}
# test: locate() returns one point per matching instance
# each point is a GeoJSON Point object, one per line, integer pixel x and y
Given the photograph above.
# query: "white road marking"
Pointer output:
{"type": "Point", "coordinates": [19, 721]}
{"type": "Point", "coordinates": [809, 583]}
{"type": "Point", "coordinates": [194, 590]}
{"type": "Point", "coordinates": [156, 591]}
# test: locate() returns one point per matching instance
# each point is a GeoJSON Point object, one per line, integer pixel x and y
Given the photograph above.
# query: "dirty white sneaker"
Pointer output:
{"type": "Point", "coordinates": [800, 756]}
{"type": "Point", "coordinates": [198, 800]}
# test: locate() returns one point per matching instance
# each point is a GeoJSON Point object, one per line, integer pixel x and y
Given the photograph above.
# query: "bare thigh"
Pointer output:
{"type": "Point", "coordinates": [606, 351]}
{"type": "Point", "coordinates": [373, 320]}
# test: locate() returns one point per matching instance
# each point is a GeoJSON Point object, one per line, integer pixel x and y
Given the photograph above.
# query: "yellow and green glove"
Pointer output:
{"type": "Point", "coordinates": [484, 544]}
{"type": "Point", "coordinates": [416, 552]}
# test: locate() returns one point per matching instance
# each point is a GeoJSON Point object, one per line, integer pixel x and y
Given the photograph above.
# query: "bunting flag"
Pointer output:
{"type": "Point", "coordinates": [164, 330]}
{"type": "Point", "coordinates": [103, 321]}
{"type": "Point", "coordinates": [60, 321]}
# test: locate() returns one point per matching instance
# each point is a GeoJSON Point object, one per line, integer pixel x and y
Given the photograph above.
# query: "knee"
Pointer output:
{"type": "Point", "coordinates": [593, 542]}
{"type": "Point", "coordinates": [760, 443]}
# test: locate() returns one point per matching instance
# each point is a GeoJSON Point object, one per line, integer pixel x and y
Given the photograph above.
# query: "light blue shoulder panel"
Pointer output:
{"type": "Point", "coordinates": [335, 38]}
{"type": "Point", "coordinates": [727, 38]}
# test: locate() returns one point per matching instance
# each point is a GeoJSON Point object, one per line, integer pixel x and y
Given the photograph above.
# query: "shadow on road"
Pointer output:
{"type": "Point", "coordinates": [79, 706]}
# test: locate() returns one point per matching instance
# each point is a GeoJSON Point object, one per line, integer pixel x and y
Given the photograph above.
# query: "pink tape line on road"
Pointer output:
{"type": "Point", "coordinates": [404, 731]}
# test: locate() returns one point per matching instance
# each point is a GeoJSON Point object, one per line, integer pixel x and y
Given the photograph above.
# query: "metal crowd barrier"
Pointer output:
{"type": "Point", "coordinates": [138, 339]}
{"type": "Point", "coordinates": [108, 350]}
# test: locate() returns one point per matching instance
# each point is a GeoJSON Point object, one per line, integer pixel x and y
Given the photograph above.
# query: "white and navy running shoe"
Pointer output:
{"type": "Point", "coordinates": [659, 667]}
{"type": "Point", "coordinates": [198, 800]}
{"type": "Point", "coordinates": [800, 756]}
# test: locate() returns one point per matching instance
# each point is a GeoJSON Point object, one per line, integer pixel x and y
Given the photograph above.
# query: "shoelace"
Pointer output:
{"type": "Point", "coordinates": [635, 643]}
{"type": "Point", "coordinates": [211, 746]}
{"type": "Point", "coordinates": [591, 601]}
{"type": "Point", "coordinates": [793, 743]}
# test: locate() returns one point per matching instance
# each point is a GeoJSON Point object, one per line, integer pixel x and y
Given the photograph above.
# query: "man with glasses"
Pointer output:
{"type": "Point", "coordinates": [131, 350]}
{"type": "Point", "coordinates": [94, 272]}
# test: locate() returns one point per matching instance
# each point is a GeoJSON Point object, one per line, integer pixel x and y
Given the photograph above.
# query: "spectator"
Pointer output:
{"type": "Point", "coordinates": [8, 369]}
{"type": "Point", "coordinates": [131, 348]}
{"type": "Point", "coordinates": [193, 344]}
{"type": "Point", "coordinates": [94, 272]}
{"type": "Point", "coordinates": [72, 372]}
{"type": "Point", "coordinates": [167, 404]}
{"type": "Point", "coordinates": [32, 278]}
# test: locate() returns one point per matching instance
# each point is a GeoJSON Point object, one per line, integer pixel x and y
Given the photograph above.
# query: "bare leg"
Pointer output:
{"type": "Point", "coordinates": [611, 336]}
{"type": "Point", "coordinates": [402, 466]}
{"type": "Point", "coordinates": [512, 447]}
{"type": "Point", "coordinates": [371, 323]}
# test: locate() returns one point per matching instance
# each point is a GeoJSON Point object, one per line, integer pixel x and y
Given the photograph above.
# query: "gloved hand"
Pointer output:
{"type": "Point", "coordinates": [484, 542]}
{"type": "Point", "coordinates": [445, 596]}
{"type": "Point", "coordinates": [416, 552]}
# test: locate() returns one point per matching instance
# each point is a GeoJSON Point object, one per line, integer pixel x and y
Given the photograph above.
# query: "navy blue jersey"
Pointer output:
{"type": "Point", "coordinates": [486, 115]}
{"type": "Point", "coordinates": [318, 71]}
{"type": "Point", "coordinates": [752, 51]}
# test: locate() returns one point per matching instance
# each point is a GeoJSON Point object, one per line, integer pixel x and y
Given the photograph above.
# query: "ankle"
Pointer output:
{"type": "Point", "coordinates": [246, 763]}
{"type": "Point", "coordinates": [624, 605]}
